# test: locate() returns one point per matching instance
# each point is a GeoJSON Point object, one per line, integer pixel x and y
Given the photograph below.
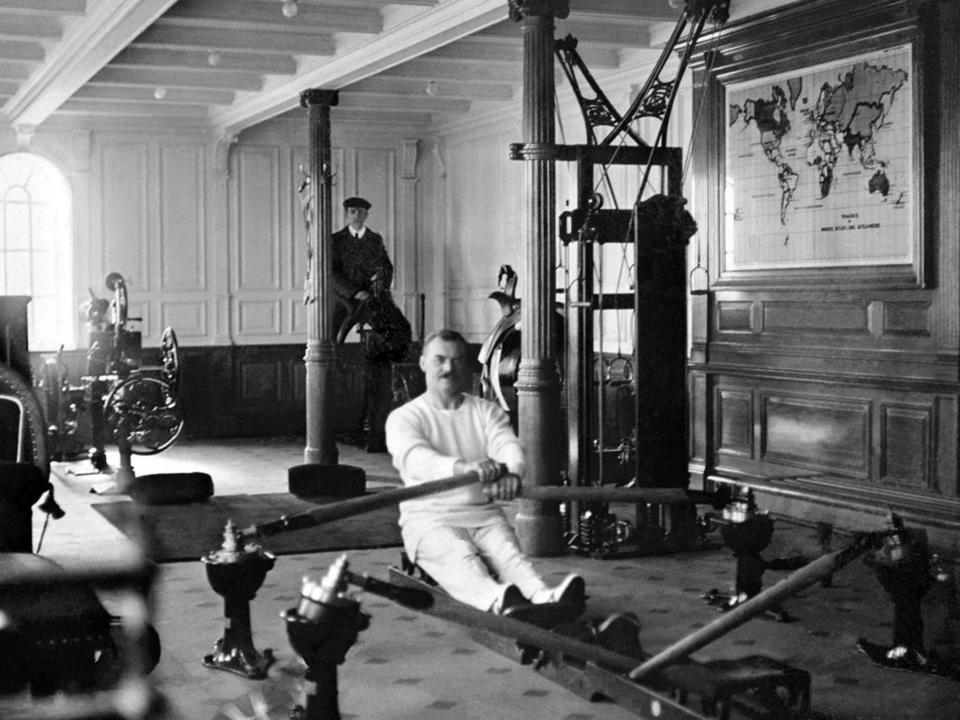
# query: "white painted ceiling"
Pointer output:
{"type": "Point", "coordinates": [229, 64]}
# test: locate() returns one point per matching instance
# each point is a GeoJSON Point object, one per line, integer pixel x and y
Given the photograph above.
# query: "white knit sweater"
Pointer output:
{"type": "Point", "coordinates": [426, 442]}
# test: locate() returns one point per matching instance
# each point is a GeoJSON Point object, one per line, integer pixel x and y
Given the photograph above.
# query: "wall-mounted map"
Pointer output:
{"type": "Point", "coordinates": [820, 167]}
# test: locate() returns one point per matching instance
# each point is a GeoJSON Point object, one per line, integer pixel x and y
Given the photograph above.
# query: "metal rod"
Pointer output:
{"type": "Point", "coordinates": [664, 495]}
{"type": "Point", "coordinates": [769, 598]}
{"type": "Point", "coordinates": [447, 608]}
{"type": "Point", "coordinates": [358, 506]}
{"type": "Point", "coordinates": [542, 493]}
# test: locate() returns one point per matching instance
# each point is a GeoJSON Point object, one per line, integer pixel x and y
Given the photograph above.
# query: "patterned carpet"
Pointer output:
{"type": "Point", "coordinates": [189, 531]}
{"type": "Point", "coordinates": [410, 665]}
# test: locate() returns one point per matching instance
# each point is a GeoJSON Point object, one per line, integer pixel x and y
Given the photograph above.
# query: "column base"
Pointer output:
{"type": "Point", "coordinates": [540, 534]}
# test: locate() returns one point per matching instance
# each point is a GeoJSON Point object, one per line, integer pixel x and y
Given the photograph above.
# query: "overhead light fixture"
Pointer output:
{"type": "Point", "coordinates": [290, 8]}
{"type": "Point", "coordinates": [213, 58]}
{"type": "Point", "coordinates": [160, 93]}
{"type": "Point", "coordinates": [431, 88]}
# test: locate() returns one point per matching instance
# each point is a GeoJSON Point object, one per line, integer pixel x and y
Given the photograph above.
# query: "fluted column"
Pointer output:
{"type": "Point", "coordinates": [539, 525]}
{"type": "Point", "coordinates": [320, 358]}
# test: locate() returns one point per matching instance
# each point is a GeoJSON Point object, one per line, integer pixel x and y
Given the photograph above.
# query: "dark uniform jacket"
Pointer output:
{"type": "Point", "coordinates": [362, 264]}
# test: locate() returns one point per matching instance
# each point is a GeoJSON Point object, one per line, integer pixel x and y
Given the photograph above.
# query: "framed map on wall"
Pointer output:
{"type": "Point", "coordinates": [821, 167]}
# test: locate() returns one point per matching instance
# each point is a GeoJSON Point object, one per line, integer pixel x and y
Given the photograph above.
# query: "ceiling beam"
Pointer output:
{"type": "Point", "coordinates": [56, 8]}
{"type": "Point", "coordinates": [268, 16]}
{"type": "Point", "coordinates": [352, 100]}
{"type": "Point", "coordinates": [629, 34]}
{"type": "Point", "coordinates": [122, 109]}
{"type": "Point", "coordinates": [13, 70]}
{"type": "Point", "coordinates": [349, 117]}
{"type": "Point", "coordinates": [87, 46]}
{"type": "Point", "coordinates": [426, 68]}
{"type": "Point", "coordinates": [378, 4]}
{"type": "Point", "coordinates": [21, 50]}
{"type": "Point", "coordinates": [159, 58]}
{"type": "Point", "coordinates": [163, 34]}
{"type": "Point", "coordinates": [214, 79]}
{"type": "Point", "coordinates": [419, 34]}
{"type": "Point", "coordinates": [511, 52]}
{"type": "Point", "coordinates": [502, 92]}
{"type": "Point", "coordinates": [643, 10]}
{"type": "Point", "coordinates": [30, 27]}
{"type": "Point", "coordinates": [174, 95]}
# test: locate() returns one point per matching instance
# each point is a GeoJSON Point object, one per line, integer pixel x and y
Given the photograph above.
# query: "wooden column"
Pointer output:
{"type": "Point", "coordinates": [539, 525]}
{"type": "Point", "coordinates": [320, 358]}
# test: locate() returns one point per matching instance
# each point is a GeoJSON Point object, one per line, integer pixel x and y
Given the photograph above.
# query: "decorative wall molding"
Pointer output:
{"type": "Point", "coordinates": [181, 250]}
{"type": "Point", "coordinates": [188, 318]}
{"type": "Point", "coordinates": [255, 236]}
{"type": "Point", "coordinates": [124, 218]}
{"type": "Point", "coordinates": [257, 318]}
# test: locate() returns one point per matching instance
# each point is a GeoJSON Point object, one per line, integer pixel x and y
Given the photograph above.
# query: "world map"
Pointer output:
{"type": "Point", "coordinates": [819, 165]}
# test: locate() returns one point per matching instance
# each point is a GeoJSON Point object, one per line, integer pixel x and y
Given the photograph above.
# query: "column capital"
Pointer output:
{"type": "Point", "coordinates": [318, 96]}
{"type": "Point", "coordinates": [521, 9]}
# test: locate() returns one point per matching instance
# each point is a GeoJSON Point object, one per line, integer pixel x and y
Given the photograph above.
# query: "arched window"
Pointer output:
{"type": "Point", "coordinates": [36, 246]}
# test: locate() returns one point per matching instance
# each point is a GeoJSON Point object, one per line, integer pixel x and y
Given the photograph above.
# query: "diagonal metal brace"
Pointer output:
{"type": "Point", "coordinates": [657, 96]}
{"type": "Point", "coordinates": [597, 111]}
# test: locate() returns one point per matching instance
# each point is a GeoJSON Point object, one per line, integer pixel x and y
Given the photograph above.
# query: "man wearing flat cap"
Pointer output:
{"type": "Point", "coordinates": [361, 277]}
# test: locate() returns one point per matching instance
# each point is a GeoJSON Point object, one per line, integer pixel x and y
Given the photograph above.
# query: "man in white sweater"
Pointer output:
{"type": "Point", "coordinates": [461, 537]}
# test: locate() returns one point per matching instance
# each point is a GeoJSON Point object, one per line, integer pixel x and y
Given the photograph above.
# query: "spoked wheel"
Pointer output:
{"type": "Point", "coordinates": [144, 413]}
{"type": "Point", "coordinates": [170, 358]}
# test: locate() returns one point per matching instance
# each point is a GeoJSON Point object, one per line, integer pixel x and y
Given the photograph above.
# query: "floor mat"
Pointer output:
{"type": "Point", "coordinates": [173, 533]}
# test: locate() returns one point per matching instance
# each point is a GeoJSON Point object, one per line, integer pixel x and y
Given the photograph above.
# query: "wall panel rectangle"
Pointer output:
{"type": "Point", "coordinates": [907, 447]}
{"type": "Point", "coordinates": [124, 211]}
{"type": "Point", "coordinates": [182, 242]}
{"type": "Point", "coordinates": [734, 422]}
{"type": "Point", "coordinates": [733, 316]}
{"type": "Point", "coordinates": [816, 432]}
{"type": "Point", "coordinates": [842, 318]}
{"type": "Point", "coordinates": [260, 381]}
{"type": "Point", "coordinates": [258, 317]}
{"type": "Point", "coordinates": [187, 318]}
{"type": "Point", "coordinates": [257, 231]}
{"type": "Point", "coordinates": [906, 318]}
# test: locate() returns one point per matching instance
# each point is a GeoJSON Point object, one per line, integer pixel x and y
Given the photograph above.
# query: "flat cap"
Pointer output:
{"type": "Point", "coordinates": [356, 202]}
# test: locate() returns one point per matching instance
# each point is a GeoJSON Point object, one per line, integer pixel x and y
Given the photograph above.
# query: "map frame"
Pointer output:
{"type": "Point", "coordinates": [900, 263]}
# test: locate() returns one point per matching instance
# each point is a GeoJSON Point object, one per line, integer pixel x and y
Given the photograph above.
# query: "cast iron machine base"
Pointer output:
{"type": "Point", "coordinates": [322, 628]}
{"type": "Point", "coordinates": [907, 571]}
{"type": "Point", "coordinates": [747, 532]}
{"type": "Point", "coordinates": [237, 574]}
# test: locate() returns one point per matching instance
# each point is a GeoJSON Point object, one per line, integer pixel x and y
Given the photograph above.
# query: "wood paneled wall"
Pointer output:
{"type": "Point", "coordinates": [838, 398]}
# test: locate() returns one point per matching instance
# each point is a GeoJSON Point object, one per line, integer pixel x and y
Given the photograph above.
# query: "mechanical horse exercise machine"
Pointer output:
{"type": "Point", "coordinates": [135, 405]}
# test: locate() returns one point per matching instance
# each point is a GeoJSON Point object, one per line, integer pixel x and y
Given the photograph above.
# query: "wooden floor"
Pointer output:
{"type": "Point", "coordinates": [408, 665]}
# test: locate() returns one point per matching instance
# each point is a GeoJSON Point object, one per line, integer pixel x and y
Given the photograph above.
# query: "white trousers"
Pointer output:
{"type": "Point", "coordinates": [474, 565]}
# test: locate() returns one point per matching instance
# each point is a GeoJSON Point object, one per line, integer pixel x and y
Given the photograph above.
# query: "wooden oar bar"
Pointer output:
{"type": "Point", "coordinates": [542, 493]}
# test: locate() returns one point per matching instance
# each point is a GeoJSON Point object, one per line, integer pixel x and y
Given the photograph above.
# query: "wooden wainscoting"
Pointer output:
{"type": "Point", "coordinates": [247, 390]}
{"type": "Point", "coordinates": [836, 452]}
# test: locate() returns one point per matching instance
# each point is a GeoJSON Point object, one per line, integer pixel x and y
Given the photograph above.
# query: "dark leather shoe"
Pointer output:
{"type": "Point", "coordinates": [621, 634]}
{"type": "Point", "coordinates": [570, 591]}
{"type": "Point", "coordinates": [510, 599]}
